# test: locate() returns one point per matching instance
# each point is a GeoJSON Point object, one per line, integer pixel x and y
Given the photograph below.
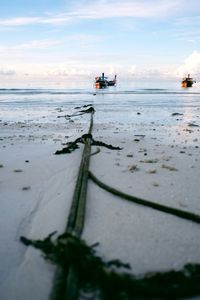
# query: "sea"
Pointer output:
{"type": "Point", "coordinates": [37, 102]}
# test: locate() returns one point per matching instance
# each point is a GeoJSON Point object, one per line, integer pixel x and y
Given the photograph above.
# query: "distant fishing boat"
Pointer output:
{"type": "Point", "coordinates": [187, 81]}
{"type": "Point", "coordinates": [101, 82]}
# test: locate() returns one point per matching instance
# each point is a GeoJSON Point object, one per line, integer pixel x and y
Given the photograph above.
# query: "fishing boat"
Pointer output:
{"type": "Point", "coordinates": [187, 81]}
{"type": "Point", "coordinates": [101, 82]}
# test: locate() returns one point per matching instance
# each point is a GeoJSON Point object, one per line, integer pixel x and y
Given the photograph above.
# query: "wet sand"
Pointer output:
{"type": "Point", "coordinates": [159, 161]}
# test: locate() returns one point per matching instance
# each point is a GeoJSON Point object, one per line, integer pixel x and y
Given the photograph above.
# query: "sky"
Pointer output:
{"type": "Point", "coordinates": [63, 38]}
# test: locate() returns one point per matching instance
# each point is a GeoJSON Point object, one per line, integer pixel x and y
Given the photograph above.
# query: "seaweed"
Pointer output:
{"type": "Point", "coordinates": [71, 146]}
{"type": "Point", "coordinates": [81, 112]}
{"type": "Point", "coordinates": [79, 107]}
{"type": "Point", "coordinates": [87, 111]}
{"type": "Point", "coordinates": [177, 114]}
{"type": "Point", "coordinates": [98, 279]}
{"type": "Point", "coordinates": [109, 146]}
{"type": "Point", "coordinates": [193, 125]}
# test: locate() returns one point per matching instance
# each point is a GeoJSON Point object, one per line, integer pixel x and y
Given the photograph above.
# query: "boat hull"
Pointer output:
{"type": "Point", "coordinates": [111, 83]}
{"type": "Point", "coordinates": [100, 85]}
{"type": "Point", "coordinates": [186, 84]}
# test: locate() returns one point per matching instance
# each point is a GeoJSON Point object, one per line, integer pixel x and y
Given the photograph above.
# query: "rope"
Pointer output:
{"type": "Point", "coordinates": [173, 211]}
{"type": "Point", "coordinates": [65, 281]}
{"type": "Point", "coordinates": [72, 219]}
{"type": "Point", "coordinates": [66, 286]}
{"type": "Point", "coordinates": [77, 212]}
{"type": "Point", "coordinates": [79, 224]}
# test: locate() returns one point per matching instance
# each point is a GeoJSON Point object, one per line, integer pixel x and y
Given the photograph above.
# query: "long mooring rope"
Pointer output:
{"type": "Point", "coordinates": [170, 210]}
{"type": "Point", "coordinates": [65, 285]}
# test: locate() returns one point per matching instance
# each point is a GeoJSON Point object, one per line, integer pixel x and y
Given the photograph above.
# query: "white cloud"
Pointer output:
{"type": "Point", "coordinates": [6, 72]}
{"type": "Point", "coordinates": [87, 69]}
{"type": "Point", "coordinates": [101, 10]}
{"type": "Point", "coordinates": [74, 66]}
{"type": "Point", "coordinates": [67, 71]}
{"type": "Point", "coordinates": [127, 8]}
{"type": "Point", "coordinates": [132, 70]}
{"type": "Point", "coordinates": [36, 44]}
{"type": "Point", "coordinates": [190, 66]}
{"type": "Point", "coordinates": [20, 21]}
{"type": "Point", "coordinates": [56, 19]}
{"type": "Point", "coordinates": [59, 19]}
{"type": "Point", "coordinates": [32, 45]}
{"type": "Point", "coordinates": [151, 72]}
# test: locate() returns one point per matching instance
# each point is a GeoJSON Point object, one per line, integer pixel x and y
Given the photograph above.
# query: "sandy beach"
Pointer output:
{"type": "Point", "coordinates": [159, 161]}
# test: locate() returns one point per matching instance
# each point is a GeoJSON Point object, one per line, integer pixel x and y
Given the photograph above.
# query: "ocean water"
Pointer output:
{"type": "Point", "coordinates": [155, 100]}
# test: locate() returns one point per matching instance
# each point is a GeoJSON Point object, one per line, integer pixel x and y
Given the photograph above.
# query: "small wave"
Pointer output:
{"type": "Point", "coordinates": [150, 92]}
{"type": "Point", "coordinates": [146, 91]}
{"type": "Point", "coordinates": [42, 91]}
{"type": "Point", "coordinates": [155, 89]}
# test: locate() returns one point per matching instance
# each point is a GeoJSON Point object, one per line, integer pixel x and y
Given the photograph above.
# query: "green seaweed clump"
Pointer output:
{"type": "Point", "coordinates": [98, 279]}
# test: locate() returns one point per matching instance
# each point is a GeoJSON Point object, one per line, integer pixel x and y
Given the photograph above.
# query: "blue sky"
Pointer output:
{"type": "Point", "coordinates": [67, 38]}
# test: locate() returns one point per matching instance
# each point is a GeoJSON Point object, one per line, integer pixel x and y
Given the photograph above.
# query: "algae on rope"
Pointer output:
{"type": "Point", "coordinates": [71, 146]}
{"type": "Point", "coordinates": [98, 277]}
{"type": "Point", "coordinates": [81, 112]}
